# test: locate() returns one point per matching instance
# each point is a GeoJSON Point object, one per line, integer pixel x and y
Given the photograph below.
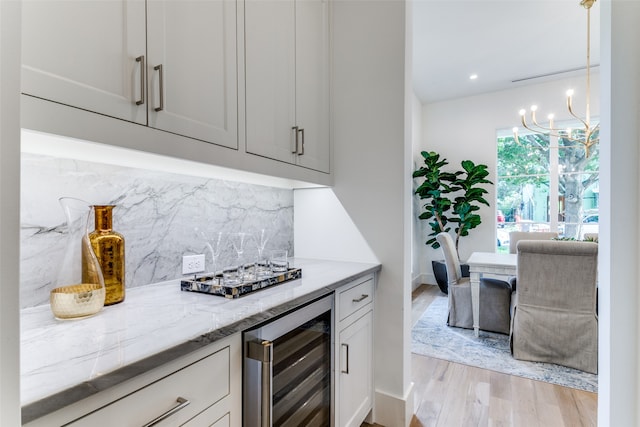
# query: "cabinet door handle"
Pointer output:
{"type": "Point", "coordinates": [362, 298]}
{"type": "Point", "coordinates": [295, 131]}
{"type": "Point", "coordinates": [140, 59]}
{"type": "Point", "coordinates": [301, 153]}
{"type": "Point", "coordinates": [161, 86]}
{"type": "Point", "coordinates": [182, 403]}
{"type": "Point", "coordinates": [346, 370]}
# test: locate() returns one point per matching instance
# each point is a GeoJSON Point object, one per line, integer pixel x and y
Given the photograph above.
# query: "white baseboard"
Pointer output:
{"type": "Point", "coordinates": [393, 411]}
{"type": "Point", "coordinates": [422, 279]}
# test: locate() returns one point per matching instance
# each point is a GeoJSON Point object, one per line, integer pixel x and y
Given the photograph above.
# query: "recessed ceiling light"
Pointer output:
{"type": "Point", "coordinates": [473, 76]}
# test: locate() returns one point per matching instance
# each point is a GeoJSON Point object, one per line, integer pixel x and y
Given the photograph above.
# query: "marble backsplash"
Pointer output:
{"type": "Point", "coordinates": [159, 214]}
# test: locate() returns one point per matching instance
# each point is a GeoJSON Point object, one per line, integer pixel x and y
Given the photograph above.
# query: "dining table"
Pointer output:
{"type": "Point", "coordinates": [490, 264]}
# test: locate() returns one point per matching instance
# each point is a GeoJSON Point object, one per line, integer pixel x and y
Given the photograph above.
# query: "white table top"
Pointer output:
{"type": "Point", "coordinates": [492, 259]}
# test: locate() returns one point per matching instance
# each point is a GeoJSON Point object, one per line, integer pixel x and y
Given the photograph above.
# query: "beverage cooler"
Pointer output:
{"type": "Point", "coordinates": [287, 378]}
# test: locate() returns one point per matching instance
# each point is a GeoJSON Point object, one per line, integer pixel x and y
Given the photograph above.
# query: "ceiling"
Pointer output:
{"type": "Point", "coordinates": [501, 41]}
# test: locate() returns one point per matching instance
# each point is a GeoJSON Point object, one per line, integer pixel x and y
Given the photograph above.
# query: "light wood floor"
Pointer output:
{"type": "Point", "coordinates": [449, 394]}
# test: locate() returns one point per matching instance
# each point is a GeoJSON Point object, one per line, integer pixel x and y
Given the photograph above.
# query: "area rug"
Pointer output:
{"type": "Point", "coordinates": [432, 337]}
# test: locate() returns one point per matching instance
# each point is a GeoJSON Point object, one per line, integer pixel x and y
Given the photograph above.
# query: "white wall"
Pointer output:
{"type": "Point", "coordinates": [465, 128]}
{"type": "Point", "coordinates": [417, 240]}
{"type": "Point", "coordinates": [9, 212]}
{"type": "Point", "coordinates": [371, 165]}
{"type": "Point", "coordinates": [618, 370]}
{"type": "Point", "coordinates": [323, 229]}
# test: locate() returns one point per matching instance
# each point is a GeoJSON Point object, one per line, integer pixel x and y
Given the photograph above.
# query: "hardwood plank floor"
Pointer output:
{"type": "Point", "coordinates": [449, 394]}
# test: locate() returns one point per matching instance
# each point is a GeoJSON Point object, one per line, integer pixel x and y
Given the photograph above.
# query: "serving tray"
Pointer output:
{"type": "Point", "coordinates": [213, 285]}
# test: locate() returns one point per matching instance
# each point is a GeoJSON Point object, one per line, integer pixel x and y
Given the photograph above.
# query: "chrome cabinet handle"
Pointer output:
{"type": "Point", "coordinates": [161, 84]}
{"type": "Point", "coordinates": [295, 130]}
{"type": "Point", "coordinates": [301, 153]}
{"type": "Point", "coordinates": [346, 371]}
{"type": "Point", "coordinates": [362, 298]}
{"type": "Point", "coordinates": [182, 403]}
{"type": "Point", "coordinates": [263, 352]}
{"type": "Point", "coordinates": [140, 59]}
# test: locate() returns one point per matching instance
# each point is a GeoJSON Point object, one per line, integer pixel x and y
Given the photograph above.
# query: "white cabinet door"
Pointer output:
{"type": "Point", "coordinates": [287, 81]}
{"type": "Point", "coordinates": [192, 69]}
{"type": "Point", "coordinates": [270, 78]}
{"type": "Point", "coordinates": [355, 375]}
{"type": "Point", "coordinates": [312, 83]}
{"type": "Point", "coordinates": [83, 54]}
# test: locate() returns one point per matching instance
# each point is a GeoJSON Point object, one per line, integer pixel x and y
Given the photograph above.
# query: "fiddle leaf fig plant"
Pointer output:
{"type": "Point", "coordinates": [451, 197]}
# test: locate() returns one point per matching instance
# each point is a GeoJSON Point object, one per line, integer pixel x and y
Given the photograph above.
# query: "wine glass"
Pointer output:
{"type": "Point", "coordinates": [261, 237]}
{"type": "Point", "coordinates": [239, 241]}
{"type": "Point", "coordinates": [214, 242]}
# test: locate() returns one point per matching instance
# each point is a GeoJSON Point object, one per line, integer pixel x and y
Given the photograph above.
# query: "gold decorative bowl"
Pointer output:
{"type": "Point", "coordinates": [70, 302]}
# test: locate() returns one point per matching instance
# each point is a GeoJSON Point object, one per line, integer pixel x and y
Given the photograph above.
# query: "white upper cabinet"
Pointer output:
{"type": "Point", "coordinates": [192, 69]}
{"type": "Point", "coordinates": [171, 65]}
{"type": "Point", "coordinates": [83, 54]}
{"type": "Point", "coordinates": [287, 81]}
{"type": "Point", "coordinates": [312, 83]}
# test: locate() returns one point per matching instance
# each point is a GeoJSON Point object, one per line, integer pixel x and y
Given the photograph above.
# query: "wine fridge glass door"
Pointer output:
{"type": "Point", "coordinates": [288, 365]}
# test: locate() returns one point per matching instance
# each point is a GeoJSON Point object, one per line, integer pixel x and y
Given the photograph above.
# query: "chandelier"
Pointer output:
{"type": "Point", "coordinates": [587, 134]}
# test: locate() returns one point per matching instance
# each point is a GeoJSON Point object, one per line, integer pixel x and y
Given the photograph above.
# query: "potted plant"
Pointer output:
{"type": "Point", "coordinates": [451, 199]}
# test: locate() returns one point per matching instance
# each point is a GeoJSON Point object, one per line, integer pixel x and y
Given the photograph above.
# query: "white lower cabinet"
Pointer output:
{"type": "Point", "coordinates": [202, 393]}
{"type": "Point", "coordinates": [354, 352]}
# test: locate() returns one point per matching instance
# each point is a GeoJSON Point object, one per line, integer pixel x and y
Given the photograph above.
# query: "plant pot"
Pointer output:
{"type": "Point", "coordinates": [440, 273]}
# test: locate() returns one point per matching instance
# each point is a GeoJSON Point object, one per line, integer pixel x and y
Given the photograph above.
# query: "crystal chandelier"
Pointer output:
{"type": "Point", "coordinates": [587, 135]}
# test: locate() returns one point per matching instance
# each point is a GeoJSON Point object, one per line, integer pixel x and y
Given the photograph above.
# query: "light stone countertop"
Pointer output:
{"type": "Point", "coordinates": [65, 361]}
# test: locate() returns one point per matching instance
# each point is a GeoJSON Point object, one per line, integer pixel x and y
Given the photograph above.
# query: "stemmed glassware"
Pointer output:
{"type": "Point", "coordinates": [238, 241]}
{"type": "Point", "coordinates": [214, 241]}
{"type": "Point", "coordinates": [261, 237]}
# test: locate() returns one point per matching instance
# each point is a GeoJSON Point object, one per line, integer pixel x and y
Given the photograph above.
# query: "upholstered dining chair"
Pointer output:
{"type": "Point", "coordinates": [554, 317]}
{"type": "Point", "coordinates": [495, 295]}
{"type": "Point", "coordinates": [516, 236]}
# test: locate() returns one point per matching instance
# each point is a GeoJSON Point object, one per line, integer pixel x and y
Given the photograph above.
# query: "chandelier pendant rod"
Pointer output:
{"type": "Point", "coordinates": [587, 117]}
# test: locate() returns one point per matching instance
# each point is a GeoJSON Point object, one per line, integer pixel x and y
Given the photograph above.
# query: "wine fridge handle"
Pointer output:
{"type": "Point", "coordinates": [263, 352]}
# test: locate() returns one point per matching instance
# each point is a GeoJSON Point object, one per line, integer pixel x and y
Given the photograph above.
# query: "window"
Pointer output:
{"type": "Point", "coordinates": [532, 174]}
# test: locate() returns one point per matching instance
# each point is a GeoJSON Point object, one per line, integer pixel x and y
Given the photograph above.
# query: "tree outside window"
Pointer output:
{"type": "Point", "coordinates": [523, 192]}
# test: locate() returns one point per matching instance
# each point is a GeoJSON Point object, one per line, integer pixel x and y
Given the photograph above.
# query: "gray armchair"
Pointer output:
{"type": "Point", "coordinates": [495, 295]}
{"type": "Point", "coordinates": [554, 318]}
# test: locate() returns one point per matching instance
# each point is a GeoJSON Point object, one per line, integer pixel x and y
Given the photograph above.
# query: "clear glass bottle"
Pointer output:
{"type": "Point", "coordinates": [109, 248]}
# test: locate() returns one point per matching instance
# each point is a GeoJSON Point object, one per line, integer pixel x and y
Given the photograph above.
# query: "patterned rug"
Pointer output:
{"type": "Point", "coordinates": [432, 337]}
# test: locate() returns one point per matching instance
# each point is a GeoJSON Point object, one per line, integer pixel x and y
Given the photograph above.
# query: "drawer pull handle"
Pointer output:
{"type": "Point", "coordinates": [362, 298]}
{"type": "Point", "coordinates": [182, 403]}
{"type": "Point", "coordinates": [140, 59]}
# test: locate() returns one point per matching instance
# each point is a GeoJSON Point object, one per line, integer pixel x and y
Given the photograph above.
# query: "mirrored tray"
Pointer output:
{"type": "Point", "coordinates": [213, 285]}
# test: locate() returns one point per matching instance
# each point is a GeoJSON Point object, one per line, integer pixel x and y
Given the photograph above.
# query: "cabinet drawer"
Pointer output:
{"type": "Point", "coordinates": [351, 299]}
{"type": "Point", "coordinates": [202, 383]}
